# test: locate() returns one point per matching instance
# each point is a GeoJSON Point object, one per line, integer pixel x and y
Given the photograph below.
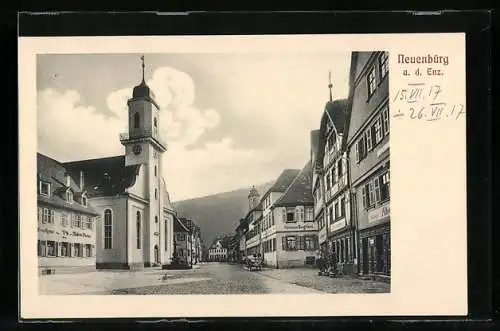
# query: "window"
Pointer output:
{"type": "Point", "coordinates": [77, 221]}
{"type": "Point", "coordinates": [291, 243]}
{"type": "Point", "coordinates": [155, 122]}
{"type": "Point", "coordinates": [384, 187]}
{"type": "Point", "coordinates": [88, 250]}
{"type": "Point", "coordinates": [65, 249]}
{"type": "Point", "coordinates": [156, 194]}
{"type": "Point", "coordinates": [372, 81]}
{"type": "Point", "coordinates": [333, 173]}
{"type": "Point", "coordinates": [64, 219]}
{"type": "Point", "coordinates": [108, 224]}
{"type": "Point", "coordinates": [41, 248]}
{"type": "Point", "coordinates": [385, 120]}
{"type": "Point", "coordinates": [44, 188]}
{"type": "Point", "coordinates": [166, 234]}
{"type": "Point", "coordinates": [328, 183]}
{"type": "Point", "coordinates": [340, 169]}
{"type": "Point", "coordinates": [78, 250]}
{"type": "Point", "coordinates": [88, 223]}
{"type": "Point", "coordinates": [309, 214]}
{"type": "Point", "coordinates": [137, 120]}
{"type": "Point", "coordinates": [378, 131]}
{"type": "Point", "coordinates": [299, 213]}
{"type": "Point", "coordinates": [69, 196]}
{"type": "Point", "coordinates": [84, 201]}
{"type": "Point", "coordinates": [156, 219]}
{"type": "Point", "coordinates": [368, 137]}
{"type": "Point", "coordinates": [138, 229]}
{"type": "Point", "coordinates": [361, 149]}
{"type": "Point", "coordinates": [48, 216]}
{"type": "Point", "coordinates": [330, 214]}
{"type": "Point", "coordinates": [384, 64]}
{"type": "Point", "coordinates": [51, 248]}
{"type": "Point", "coordinates": [337, 213]}
{"type": "Point", "coordinates": [309, 243]}
{"type": "Point", "coordinates": [290, 215]}
{"type": "Point", "coordinates": [52, 217]}
{"type": "Point", "coordinates": [155, 171]}
{"type": "Point", "coordinates": [342, 207]}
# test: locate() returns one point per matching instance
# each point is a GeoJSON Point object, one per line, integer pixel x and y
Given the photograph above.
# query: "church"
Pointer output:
{"type": "Point", "coordinates": [129, 194]}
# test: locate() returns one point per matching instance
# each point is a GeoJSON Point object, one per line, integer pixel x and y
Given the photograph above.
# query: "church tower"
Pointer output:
{"type": "Point", "coordinates": [144, 147]}
{"type": "Point", "coordinates": [253, 198]}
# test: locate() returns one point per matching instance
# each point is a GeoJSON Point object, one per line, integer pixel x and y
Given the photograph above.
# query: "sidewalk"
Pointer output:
{"type": "Point", "coordinates": [310, 278]}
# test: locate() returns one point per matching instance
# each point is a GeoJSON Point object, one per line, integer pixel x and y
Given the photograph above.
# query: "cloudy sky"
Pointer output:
{"type": "Point", "coordinates": [230, 120]}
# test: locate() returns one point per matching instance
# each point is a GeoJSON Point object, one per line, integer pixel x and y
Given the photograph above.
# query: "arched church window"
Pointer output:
{"type": "Point", "coordinates": [155, 171]}
{"type": "Point", "coordinates": [155, 122]}
{"type": "Point", "coordinates": [137, 120]}
{"type": "Point", "coordinates": [108, 224]}
{"type": "Point", "coordinates": [138, 228]}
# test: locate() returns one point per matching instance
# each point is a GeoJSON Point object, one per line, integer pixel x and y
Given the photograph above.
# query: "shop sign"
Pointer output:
{"type": "Point", "coordinates": [338, 225]}
{"type": "Point", "coordinates": [379, 214]}
{"type": "Point", "coordinates": [305, 225]}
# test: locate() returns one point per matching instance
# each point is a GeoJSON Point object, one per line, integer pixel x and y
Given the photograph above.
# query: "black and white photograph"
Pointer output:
{"type": "Point", "coordinates": [231, 175]}
{"type": "Point", "coordinates": [185, 174]}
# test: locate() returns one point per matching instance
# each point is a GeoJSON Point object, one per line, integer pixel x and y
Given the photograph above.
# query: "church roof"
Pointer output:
{"type": "Point", "coordinates": [300, 190]}
{"type": "Point", "coordinates": [54, 173]}
{"type": "Point", "coordinates": [105, 176]}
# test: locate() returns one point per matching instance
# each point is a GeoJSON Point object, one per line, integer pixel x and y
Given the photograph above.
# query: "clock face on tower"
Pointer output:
{"type": "Point", "coordinates": [137, 149]}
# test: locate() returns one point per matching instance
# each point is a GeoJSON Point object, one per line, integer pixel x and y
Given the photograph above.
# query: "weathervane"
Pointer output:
{"type": "Point", "coordinates": [330, 85]}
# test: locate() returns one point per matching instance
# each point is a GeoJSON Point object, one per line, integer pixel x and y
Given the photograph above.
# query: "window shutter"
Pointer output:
{"type": "Point", "coordinates": [300, 243]}
{"type": "Point", "coordinates": [364, 197]}
{"type": "Point", "coordinates": [377, 190]}
{"type": "Point", "coordinates": [371, 194]}
{"type": "Point", "coordinates": [283, 214]}
{"type": "Point", "coordinates": [283, 243]}
{"type": "Point", "coordinates": [357, 151]}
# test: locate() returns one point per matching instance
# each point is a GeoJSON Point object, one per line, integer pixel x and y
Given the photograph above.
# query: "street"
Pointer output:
{"type": "Point", "coordinates": [210, 278]}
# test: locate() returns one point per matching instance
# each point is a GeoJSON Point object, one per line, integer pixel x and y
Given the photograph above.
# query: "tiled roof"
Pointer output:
{"type": "Point", "coordinates": [54, 173]}
{"type": "Point", "coordinates": [179, 225]}
{"type": "Point", "coordinates": [336, 111]}
{"type": "Point", "coordinates": [105, 176]}
{"type": "Point", "coordinates": [300, 190]}
{"type": "Point", "coordinates": [284, 180]}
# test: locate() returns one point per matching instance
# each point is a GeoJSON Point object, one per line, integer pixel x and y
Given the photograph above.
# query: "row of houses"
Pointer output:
{"type": "Point", "coordinates": [339, 203]}
{"type": "Point", "coordinates": [114, 212]}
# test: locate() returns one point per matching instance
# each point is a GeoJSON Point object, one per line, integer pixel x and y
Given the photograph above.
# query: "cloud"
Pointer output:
{"type": "Point", "coordinates": [70, 130]}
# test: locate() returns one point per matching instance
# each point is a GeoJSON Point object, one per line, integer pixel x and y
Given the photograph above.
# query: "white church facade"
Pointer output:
{"type": "Point", "coordinates": [128, 192]}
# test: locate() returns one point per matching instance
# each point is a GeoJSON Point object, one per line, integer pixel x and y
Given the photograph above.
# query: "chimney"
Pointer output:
{"type": "Point", "coordinates": [68, 180]}
{"type": "Point", "coordinates": [82, 178]}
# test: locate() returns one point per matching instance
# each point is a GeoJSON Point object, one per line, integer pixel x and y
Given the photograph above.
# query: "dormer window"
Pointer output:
{"type": "Point", "coordinates": [44, 189]}
{"type": "Point", "coordinates": [84, 200]}
{"type": "Point", "coordinates": [69, 196]}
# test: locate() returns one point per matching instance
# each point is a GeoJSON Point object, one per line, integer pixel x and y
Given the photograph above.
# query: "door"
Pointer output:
{"type": "Point", "coordinates": [364, 254]}
{"type": "Point", "coordinates": [157, 255]}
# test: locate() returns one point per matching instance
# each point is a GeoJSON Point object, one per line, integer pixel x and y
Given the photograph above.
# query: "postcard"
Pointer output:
{"type": "Point", "coordinates": [221, 176]}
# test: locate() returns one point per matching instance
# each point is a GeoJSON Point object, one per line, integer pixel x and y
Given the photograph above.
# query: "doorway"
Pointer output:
{"type": "Point", "coordinates": [157, 255]}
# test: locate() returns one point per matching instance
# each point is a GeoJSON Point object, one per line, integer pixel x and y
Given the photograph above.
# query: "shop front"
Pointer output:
{"type": "Point", "coordinates": [341, 244]}
{"type": "Point", "coordinates": [375, 256]}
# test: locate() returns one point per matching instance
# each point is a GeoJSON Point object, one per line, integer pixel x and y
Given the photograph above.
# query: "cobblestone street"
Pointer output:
{"type": "Point", "coordinates": [211, 278]}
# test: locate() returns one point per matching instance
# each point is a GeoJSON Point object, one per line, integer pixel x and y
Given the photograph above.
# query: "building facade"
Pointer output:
{"type": "Point", "coordinates": [368, 154]}
{"type": "Point", "coordinates": [183, 245]}
{"type": "Point", "coordinates": [129, 192]}
{"type": "Point", "coordinates": [333, 172]}
{"type": "Point", "coordinates": [66, 221]}
{"type": "Point", "coordinates": [218, 251]}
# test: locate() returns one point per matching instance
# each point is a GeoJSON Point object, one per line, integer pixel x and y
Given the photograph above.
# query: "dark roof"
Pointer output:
{"type": "Point", "coordinates": [284, 180]}
{"type": "Point", "coordinates": [336, 111]}
{"type": "Point", "coordinates": [105, 176]}
{"type": "Point", "coordinates": [54, 173]}
{"type": "Point", "coordinates": [179, 225]}
{"type": "Point", "coordinates": [300, 190]}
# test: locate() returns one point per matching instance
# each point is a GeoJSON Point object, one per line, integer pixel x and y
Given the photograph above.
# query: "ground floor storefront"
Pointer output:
{"type": "Point", "coordinates": [375, 251]}
{"type": "Point", "coordinates": [342, 245]}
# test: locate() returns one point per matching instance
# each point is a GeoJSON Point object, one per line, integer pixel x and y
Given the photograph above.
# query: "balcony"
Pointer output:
{"type": "Point", "coordinates": [144, 134]}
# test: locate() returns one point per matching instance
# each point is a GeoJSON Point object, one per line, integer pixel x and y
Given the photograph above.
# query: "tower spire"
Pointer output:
{"type": "Point", "coordinates": [330, 85]}
{"type": "Point", "coordinates": [142, 64]}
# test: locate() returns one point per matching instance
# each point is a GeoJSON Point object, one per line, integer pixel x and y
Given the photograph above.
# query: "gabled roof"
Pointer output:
{"type": "Point", "coordinates": [179, 225]}
{"type": "Point", "coordinates": [54, 173]}
{"type": "Point", "coordinates": [284, 180]}
{"type": "Point", "coordinates": [300, 190]}
{"type": "Point", "coordinates": [105, 176]}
